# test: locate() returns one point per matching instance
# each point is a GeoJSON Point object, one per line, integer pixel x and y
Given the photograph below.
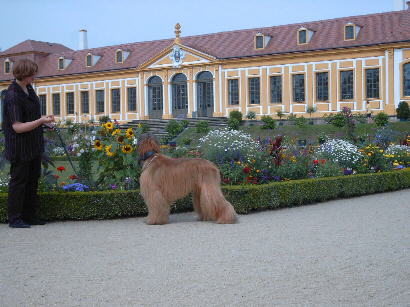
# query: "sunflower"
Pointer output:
{"type": "Point", "coordinates": [98, 145]}
{"type": "Point", "coordinates": [120, 139]}
{"type": "Point", "coordinates": [109, 125]}
{"type": "Point", "coordinates": [108, 150]}
{"type": "Point", "coordinates": [116, 131]}
{"type": "Point", "coordinates": [127, 149]}
{"type": "Point", "coordinates": [129, 133]}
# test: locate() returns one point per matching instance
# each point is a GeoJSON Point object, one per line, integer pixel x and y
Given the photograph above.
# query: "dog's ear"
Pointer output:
{"type": "Point", "coordinates": [147, 143]}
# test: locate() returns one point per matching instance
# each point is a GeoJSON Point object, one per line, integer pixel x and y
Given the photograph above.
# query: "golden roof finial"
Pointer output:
{"type": "Point", "coordinates": [177, 33]}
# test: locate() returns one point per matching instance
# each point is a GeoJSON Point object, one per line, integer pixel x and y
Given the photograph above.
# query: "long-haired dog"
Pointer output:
{"type": "Point", "coordinates": [164, 180]}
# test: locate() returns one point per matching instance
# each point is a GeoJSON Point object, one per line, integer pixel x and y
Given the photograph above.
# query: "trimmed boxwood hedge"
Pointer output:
{"type": "Point", "coordinates": [246, 198]}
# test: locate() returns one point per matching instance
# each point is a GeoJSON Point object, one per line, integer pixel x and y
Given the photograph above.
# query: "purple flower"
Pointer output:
{"type": "Point", "coordinates": [113, 186]}
{"type": "Point", "coordinates": [276, 178]}
{"type": "Point", "coordinates": [347, 171]}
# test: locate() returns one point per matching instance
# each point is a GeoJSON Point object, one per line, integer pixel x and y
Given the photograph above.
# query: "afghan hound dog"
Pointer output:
{"type": "Point", "coordinates": [164, 180]}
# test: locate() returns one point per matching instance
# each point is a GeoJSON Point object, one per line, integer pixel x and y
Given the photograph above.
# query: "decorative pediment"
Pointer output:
{"type": "Point", "coordinates": [178, 55]}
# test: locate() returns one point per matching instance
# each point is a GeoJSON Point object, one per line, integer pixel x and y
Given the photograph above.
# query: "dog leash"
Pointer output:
{"type": "Point", "coordinates": [149, 163]}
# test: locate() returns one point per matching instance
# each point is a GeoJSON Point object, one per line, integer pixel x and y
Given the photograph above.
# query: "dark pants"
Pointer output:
{"type": "Point", "coordinates": [23, 199]}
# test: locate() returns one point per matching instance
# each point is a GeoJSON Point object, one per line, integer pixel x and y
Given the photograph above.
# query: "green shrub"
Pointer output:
{"type": "Point", "coordinates": [245, 198]}
{"type": "Point", "coordinates": [268, 122]}
{"type": "Point", "coordinates": [186, 141]}
{"type": "Point", "coordinates": [403, 111]}
{"type": "Point", "coordinates": [338, 120]}
{"type": "Point", "coordinates": [233, 124]}
{"type": "Point", "coordinates": [104, 119]}
{"type": "Point", "coordinates": [381, 119]}
{"type": "Point", "coordinates": [236, 115]}
{"type": "Point", "coordinates": [184, 123]}
{"type": "Point", "coordinates": [202, 127]}
{"type": "Point", "coordinates": [251, 115]}
{"type": "Point", "coordinates": [301, 122]}
{"type": "Point", "coordinates": [173, 128]}
{"type": "Point", "coordinates": [280, 114]}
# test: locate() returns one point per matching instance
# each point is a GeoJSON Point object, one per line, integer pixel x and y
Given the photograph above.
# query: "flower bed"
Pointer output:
{"type": "Point", "coordinates": [245, 198]}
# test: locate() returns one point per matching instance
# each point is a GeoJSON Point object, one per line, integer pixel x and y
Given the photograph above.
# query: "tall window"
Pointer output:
{"type": "Point", "coordinates": [406, 79]}
{"type": "Point", "coordinates": [372, 83]}
{"type": "Point", "coordinates": [298, 88]}
{"type": "Point", "coordinates": [346, 84]}
{"type": "Point", "coordinates": [99, 101]}
{"type": "Point", "coordinates": [43, 104]}
{"type": "Point", "coordinates": [61, 63]}
{"type": "Point", "coordinates": [56, 104]}
{"type": "Point", "coordinates": [233, 91]}
{"type": "Point", "coordinates": [322, 86]}
{"type": "Point", "coordinates": [69, 99]}
{"type": "Point", "coordinates": [132, 98]}
{"type": "Point", "coordinates": [302, 36]}
{"type": "Point", "coordinates": [119, 56]}
{"type": "Point", "coordinates": [349, 32]}
{"type": "Point", "coordinates": [88, 60]}
{"type": "Point", "coordinates": [179, 92]}
{"type": "Point", "coordinates": [259, 42]}
{"type": "Point", "coordinates": [275, 89]}
{"type": "Point", "coordinates": [85, 105]}
{"type": "Point", "coordinates": [7, 67]}
{"type": "Point", "coordinates": [254, 90]}
{"type": "Point", "coordinates": [115, 100]}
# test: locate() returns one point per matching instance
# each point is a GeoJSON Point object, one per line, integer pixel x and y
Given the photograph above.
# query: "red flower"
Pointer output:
{"type": "Point", "coordinates": [323, 161]}
{"type": "Point", "coordinates": [73, 177]}
{"type": "Point", "coordinates": [56, 176]}
{"type": "Point", "coordinates": [246, 170]}
{"type": "Point", "coordinates": [61, 168]}
{"type": "Point", "coordinates": [315, 162]}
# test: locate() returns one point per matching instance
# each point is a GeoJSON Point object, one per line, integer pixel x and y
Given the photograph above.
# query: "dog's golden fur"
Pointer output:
{"type": "Point", "coordinates": [164, 180]}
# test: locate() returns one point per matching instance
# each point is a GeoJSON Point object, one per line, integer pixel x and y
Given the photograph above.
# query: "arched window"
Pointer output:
{"type": "Point", "coordinates": [204, 94]}
{"type": "Point", "coordinates": [406, 79]}
{"type": "Point", "coordinates": [179, 95]}
{"type": "Point", "coordinates": [7, 66]}
{"type": "Point", "coordinates": [155, 97]}
{"type": "Point", "coordinates": [118, 56]}
{"type": "Point", "coordinates": [88, 60]}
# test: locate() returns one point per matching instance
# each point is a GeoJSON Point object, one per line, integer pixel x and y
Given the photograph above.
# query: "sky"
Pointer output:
{"type": "Point", "coordinates": [113, 22]}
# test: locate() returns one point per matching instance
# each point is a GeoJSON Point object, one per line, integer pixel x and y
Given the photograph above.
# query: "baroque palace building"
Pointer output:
{"type": "Point", "coordinates": [326, 64]}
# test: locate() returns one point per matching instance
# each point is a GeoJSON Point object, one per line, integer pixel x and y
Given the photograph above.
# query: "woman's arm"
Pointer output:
{"type": "Point", "coordinates": [28, 126]}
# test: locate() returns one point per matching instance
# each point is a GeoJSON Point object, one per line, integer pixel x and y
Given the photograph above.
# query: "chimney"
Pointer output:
{"type": "Point", "coordinates": [408, 5]}
{"type": "Point", "coordinates": [399, 5]}
{"type": "Point", "coordinates": [83, 42]}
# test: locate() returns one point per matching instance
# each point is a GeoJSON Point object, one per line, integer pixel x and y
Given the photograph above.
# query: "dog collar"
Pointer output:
{"type": "Point", "coordinates": [147, 155]}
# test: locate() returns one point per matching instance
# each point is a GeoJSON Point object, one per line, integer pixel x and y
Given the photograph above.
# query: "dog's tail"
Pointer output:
{"type": "Point", "coordinates": [215, 207]}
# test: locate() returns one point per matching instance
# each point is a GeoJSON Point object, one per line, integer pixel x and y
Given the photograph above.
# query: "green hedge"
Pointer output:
{"type": "Point", "coordinates": [114, 204]}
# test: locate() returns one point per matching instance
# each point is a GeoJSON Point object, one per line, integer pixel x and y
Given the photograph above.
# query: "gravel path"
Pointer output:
{"type": "Point", "coordinates": [351, 252]}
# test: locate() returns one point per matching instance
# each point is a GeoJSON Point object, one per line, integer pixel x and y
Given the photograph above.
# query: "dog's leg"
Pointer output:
{"type": "Point", "coordinates": [196, 197]}
{"type": "Point", "coordinates": [158, 209]}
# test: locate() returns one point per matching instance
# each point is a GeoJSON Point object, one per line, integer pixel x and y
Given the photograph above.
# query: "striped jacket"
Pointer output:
{"type": "Point", "coordinates": [20, 107]}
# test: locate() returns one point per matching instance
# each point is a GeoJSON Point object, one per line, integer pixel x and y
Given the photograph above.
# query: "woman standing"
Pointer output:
{"type": "Point", "coordinates": [23, 132]}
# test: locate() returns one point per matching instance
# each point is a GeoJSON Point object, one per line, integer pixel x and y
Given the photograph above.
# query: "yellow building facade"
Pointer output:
{"type": "Point", "coordinates": [183, 80]}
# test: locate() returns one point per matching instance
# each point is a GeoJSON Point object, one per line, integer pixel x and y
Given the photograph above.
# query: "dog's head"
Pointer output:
{"type": "Point", "coordinates": [147, 145]}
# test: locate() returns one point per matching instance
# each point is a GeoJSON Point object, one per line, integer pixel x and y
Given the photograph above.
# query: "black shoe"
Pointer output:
{"type": "Point", "coordinates": [19, 224]}
{"type": "Point", "coordinates": [35, 221]}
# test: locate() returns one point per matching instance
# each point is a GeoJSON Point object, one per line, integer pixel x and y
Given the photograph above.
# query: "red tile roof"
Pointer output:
{"type": "Point", "coordinates": [35, 46]}
{"type": "Point", "coordinates": [376, 29]}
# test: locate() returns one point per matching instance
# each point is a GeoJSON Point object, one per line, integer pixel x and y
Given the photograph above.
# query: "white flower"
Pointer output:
{"type": "Point", "coordinates": [78, 154]}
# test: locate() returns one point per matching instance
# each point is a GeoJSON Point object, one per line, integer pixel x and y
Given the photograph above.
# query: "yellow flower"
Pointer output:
{"type": "Point", "coordinates": [129, 133]}
{"type": "Point", "coordinates": [381, 150]}
{"type": "Point", "coordinates": [110, 154]}
{"type": "Point", "coordinates": [127, 149]}
{"type": "Point", "coordinates": [108, 148]}
{"type": "Point", "coordinates": [98, 145]}
{"type": "Point", "coordinates": [116, 131]}
{"type": "Point", "coordinates": [120, 139]}
{"type": "Point", "coordinates": [257, 171]}
{"type": "Point", "coordinates": [109, 125]}
{"type": "Point", "coordinates": [396, 164]}
{"type": "Point", "coordinates": [369, 154]}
